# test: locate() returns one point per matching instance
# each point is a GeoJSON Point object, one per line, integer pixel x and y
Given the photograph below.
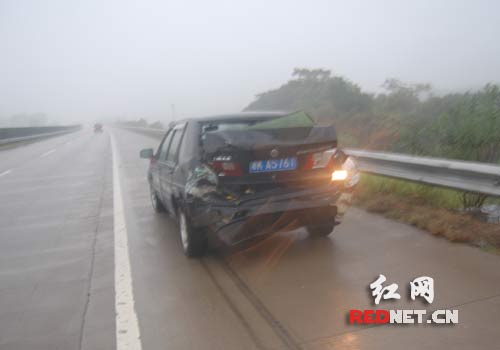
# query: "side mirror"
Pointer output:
{"type": "Point", "coordinates": [147, 153]}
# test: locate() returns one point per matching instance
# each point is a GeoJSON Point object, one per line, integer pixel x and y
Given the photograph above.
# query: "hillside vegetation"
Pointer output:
{"type": "Point", "coordinates": [408, 118]}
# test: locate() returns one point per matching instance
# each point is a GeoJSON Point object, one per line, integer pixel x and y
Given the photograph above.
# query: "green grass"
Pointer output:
{"type": "Point", "coordinates": [348, 140]}
{"type": "Point", "coordinates": [426, 207]}
{"type": "Point", "coordinates": [419, 193]}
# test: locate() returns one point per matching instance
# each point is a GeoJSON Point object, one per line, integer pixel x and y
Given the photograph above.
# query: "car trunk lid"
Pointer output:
{"type": "Point", "coordinates": [289, 152]}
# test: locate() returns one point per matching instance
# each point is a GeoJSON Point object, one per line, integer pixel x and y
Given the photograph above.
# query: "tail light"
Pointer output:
{"type": "Point", "coordinates": [319, 160]}
{"type": "Point", "coordinates": [226, 168]}
{"type": "Point", "coordinates": [339, 175]}
{"type": "Point", "coordinates": [348, 173]}
{"type": "Point", "coordinates": [331, 159]}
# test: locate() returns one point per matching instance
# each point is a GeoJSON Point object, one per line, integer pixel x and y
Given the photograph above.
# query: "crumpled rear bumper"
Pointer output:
{"type": "Point", "coordinates": [229, 223]}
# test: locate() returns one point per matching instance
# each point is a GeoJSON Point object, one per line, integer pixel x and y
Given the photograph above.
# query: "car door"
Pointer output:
{"type": "Point", "coordinates": [156, 170]}
{"type": "Point", "coordinates": [168, 184]}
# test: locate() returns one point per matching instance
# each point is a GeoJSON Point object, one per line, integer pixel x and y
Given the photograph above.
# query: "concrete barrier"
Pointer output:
{"type": "Point", "coordinates": [10, 135]}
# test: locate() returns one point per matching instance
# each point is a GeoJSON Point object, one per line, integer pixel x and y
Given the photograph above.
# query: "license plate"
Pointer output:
{"type": "Point", "coordinates": [270, 165]}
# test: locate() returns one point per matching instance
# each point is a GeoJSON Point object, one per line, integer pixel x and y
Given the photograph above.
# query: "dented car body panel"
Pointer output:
{"type": "Point", "coordinates": [204, 166]}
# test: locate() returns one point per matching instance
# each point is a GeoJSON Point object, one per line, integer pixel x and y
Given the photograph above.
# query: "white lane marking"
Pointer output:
{"type": "Point", "coordinates": [128, 336]}
{"type": "Point", "coordinates": [47, 153]}
{"type": "Point", "coordinates": [5, 172]}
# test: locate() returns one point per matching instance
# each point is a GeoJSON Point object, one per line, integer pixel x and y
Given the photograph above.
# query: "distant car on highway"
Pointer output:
{"type": "Point", "coordinates": [227, 179]}
{"type": "Point", "coordinates": [97, 127]}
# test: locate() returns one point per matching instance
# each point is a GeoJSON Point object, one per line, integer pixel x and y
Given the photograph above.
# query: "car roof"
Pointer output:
{"type": "Point", "coordinates": [250, 115]}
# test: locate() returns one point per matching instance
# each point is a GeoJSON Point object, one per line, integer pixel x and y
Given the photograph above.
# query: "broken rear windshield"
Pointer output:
{"type": "Point", "coordinates": [294, 120]}
{"type": "Point", "coordinates": [293, 129]}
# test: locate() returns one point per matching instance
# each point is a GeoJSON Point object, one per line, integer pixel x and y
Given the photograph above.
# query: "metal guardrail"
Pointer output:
{"type": "Point", "coordinates": [12, 135]}
{"type": "Point", "coordinates": [460, 175]}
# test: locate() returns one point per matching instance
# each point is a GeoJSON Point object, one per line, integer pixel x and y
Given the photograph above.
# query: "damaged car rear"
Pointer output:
{"type": "Point", "coordinates": [229, 179]}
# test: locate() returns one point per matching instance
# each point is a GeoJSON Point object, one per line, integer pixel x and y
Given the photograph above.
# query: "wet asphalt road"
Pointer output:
{"type": "Point", "coordinates": [287, 292]}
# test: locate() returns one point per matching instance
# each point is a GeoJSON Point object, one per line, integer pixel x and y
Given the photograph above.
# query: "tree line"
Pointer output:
{"type": "Point", "coordinates": [405, 117]}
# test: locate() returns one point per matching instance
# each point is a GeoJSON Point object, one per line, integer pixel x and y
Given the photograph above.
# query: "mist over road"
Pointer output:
{"type": "Point", "coordinates": [57, 283]}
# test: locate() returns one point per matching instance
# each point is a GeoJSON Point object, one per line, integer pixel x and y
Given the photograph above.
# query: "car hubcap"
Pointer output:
{"type": "Point", "coordinates": [184, 233]}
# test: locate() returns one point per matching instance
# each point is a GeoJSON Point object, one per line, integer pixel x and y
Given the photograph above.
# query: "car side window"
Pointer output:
{"type": "Point", "coordinates": [174, 145]}
{"type": "Point", "coordinates": [162, 151]}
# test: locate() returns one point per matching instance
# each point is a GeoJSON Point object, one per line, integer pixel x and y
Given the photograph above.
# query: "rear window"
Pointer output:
{"type": "Point", "coordinates": [294, 120]}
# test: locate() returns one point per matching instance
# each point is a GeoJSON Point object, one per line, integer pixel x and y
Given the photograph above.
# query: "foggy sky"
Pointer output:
{"type": "Point", "coordinates": [95, 58]}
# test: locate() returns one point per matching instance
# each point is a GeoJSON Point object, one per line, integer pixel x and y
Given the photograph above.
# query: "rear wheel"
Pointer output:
{"type": "Point", "coordinates": [193, 241]}
{"type": "Point", "coordinates": [321, 230]}
{"type": "Point", "coordinates": [155, 201]}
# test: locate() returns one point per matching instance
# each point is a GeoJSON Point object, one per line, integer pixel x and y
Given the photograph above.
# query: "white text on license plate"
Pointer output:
{"type": "Point", "coordinates": [269, 165]}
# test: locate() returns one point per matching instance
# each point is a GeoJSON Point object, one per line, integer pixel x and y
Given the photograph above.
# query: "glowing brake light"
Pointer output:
{"type": "Point", "coordinates": [339, 175]}
{"type": "Point", "coordinates": [348, 173]}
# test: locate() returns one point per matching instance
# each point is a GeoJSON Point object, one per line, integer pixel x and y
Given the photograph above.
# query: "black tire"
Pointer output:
{"type": "Point", "coordinates": [155, 201]}
{"type": "Point", "coordinates": [318, 231]}
{"type": "Point", "coordinates": [193, 241]}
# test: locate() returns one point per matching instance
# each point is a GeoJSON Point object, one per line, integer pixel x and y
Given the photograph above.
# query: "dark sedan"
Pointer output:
{"type": "Point", "coordinates": [227, 179]}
